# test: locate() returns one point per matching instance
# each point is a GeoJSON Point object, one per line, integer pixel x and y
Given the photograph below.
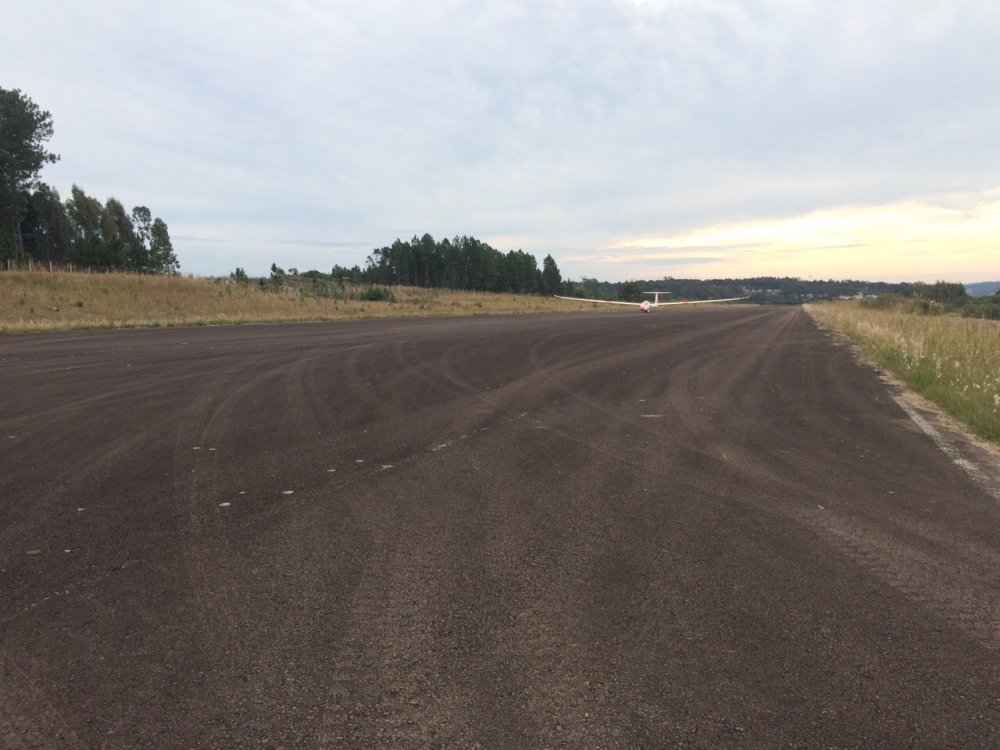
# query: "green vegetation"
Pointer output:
{"type": "Point", "coordinates": [24, 129]}
{"type": "Point", "coordinates": [760, 290]}
{"type": "Point", "coordinates": [377, 294]}
{"type": "Point", "coordinates": [986, 308]}
{"type": "Point", "coordinates": [631, 292]}
{"type": "Point", "coordinates": [941, 298]}
{"type": "Point", "coordinates": [461, 263]}
{"type": "Point", "coordinates": [468, 263]}
{"type": "Point", "coordinates": [43, 301]}
{"type": "Point", "coordinates": [952, 360]}
{"type": "Point", "coordinates": [37, 226]}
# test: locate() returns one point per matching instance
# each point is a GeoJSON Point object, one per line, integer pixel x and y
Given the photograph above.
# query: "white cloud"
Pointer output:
{"type": "Point", "coordinates": [550, 126]}
{"type": "Point", "coordinates": [904, 241]}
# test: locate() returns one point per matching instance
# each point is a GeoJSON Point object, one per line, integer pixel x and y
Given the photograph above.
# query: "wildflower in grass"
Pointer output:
{"type": "Point", "coordinates": [953, 361]}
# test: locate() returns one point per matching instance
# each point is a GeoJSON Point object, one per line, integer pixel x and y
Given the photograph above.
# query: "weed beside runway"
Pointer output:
{"type": "Point", "coordinates": [42, 301]}
{"type": "Point", "coordinates": [953, 361]}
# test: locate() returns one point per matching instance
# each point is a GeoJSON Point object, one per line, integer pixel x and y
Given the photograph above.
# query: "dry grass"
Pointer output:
{"type": "Point", "coordinates": [42, 301]}
{"type": "Point", "coordinates": [953, 361]}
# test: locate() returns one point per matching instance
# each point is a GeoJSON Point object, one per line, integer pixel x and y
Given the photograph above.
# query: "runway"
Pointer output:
{"type": "Point", "coordinates": [694, 528]}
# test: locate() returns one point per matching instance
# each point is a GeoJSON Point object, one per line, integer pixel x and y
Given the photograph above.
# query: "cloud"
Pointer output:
{"type": "Point", "coordinates": [319, 243]}
{"type": "Point", "coordinates": [194, 238]}
{"type": "Point", "coordinates": [898, 241]}
{"type": "Point", "coordinates": [551, 126]}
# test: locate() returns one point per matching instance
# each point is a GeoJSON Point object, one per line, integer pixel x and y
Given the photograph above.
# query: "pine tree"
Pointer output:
{"type": "Point", "coordinates": [24, 128]}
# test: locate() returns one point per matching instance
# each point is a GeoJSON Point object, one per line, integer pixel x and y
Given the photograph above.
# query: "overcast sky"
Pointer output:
{"type": "Point", "coordinates": [629, 138]}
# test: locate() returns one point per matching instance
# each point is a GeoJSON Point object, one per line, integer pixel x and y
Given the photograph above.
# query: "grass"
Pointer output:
{"type": "Point", "coordinates": [43, 301]}
{"type": "Point", "coordinates": [954, 362]}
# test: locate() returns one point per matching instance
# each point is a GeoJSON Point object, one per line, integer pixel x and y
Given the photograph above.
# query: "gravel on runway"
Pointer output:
{"type": "Point", "coordinates": [695, 528]}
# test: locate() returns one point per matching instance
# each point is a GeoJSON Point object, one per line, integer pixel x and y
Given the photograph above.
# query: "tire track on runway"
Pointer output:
{"type": "Point", "coordinates": [955, 579]}
{"type": "Point", "coordinates": [220, 616]}
{"type": "Point", "coordinates": [541, 566]}
{"type": "Point", "coordinates": [392, 685]}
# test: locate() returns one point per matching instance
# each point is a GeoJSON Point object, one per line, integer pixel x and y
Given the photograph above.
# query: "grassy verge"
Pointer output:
{"type": "Point", "coordinates": [42, 301]}
{"type": "Point", "coordinates": [952, 361]}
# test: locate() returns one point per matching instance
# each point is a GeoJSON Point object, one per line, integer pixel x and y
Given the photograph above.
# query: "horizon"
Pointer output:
{"type": "Point", "coordinates": [663, 279]}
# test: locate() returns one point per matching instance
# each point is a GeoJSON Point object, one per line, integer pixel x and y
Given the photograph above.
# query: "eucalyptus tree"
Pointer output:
{"type": "Point", "coordinates": [45, 228]}
{"type": "Point", "coordinates": [118, 235]}
{"type": "Point", "coordinates": [161, 250]}
{"type": "Point", "coordinates": [142, 228]}
{"type": "Point", "coordinates": [85, 214]}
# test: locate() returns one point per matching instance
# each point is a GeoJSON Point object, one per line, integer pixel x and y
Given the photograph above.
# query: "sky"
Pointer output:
{"type": "Point", "coordinates": [628, 138]}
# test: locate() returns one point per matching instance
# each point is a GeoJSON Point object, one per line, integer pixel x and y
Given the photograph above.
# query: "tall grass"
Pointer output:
{"type": "Point", "coordinates": [953, 361]}
{"type": "Point", "coordinates": [43, 301]}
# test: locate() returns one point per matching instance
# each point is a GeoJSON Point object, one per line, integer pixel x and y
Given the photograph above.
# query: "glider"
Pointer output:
{"type": "Point", "coordinates": [646, 305]}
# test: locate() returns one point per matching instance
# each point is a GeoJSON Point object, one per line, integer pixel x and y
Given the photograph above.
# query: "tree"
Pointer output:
{"type": "Point", "coordinates": [142, 225]}
{"type": "Point", "coordinates": [459, 263]}
{"type": "Point", "coordinates": [85, 215]}
{"type": "Point", "coordinates": [551, 278]}
{"type": "Point", "coordinates": [161, 250]}
{"type": "Point", "coordinates": [277, 276]}
{"type": "Point", "coordinates": [118, 234]}
{"type": "Point", "coordinates": [24, 128]}
{"type": "Point", "coordinates": [45, 228]}
{"type": "Point", "coordinates": [943, 292]}
{"type": "Point", "coordinates": [632, 291]}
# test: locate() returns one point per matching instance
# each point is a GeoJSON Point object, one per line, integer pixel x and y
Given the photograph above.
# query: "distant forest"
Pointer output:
{"type": "Point", "coordinates": [769, 289]}
{"type": "Point", "coordinates": [462, 263]}
{"type": "Point", "coordinates": [465, 263]}
{"type": "Point", "coordinates": [37, 226]}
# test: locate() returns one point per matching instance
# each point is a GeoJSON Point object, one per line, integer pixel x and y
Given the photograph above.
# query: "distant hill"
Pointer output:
{"type": "Point", "coordinates": [983, 288]}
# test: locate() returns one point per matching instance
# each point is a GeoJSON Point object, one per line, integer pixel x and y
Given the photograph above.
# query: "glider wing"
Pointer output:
{"type": "Point", "coordinates": [699, 301]}
{"type": "Point", "coordinates": [599, 301]}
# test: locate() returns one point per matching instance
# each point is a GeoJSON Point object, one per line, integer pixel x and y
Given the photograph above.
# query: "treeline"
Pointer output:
{"type": "Point", "coordinates": [466, 263]}
{"type": "Point", "coordinates": [942, 298]}
{"type": "Point", "coordinates": [462, 263]}
{"type": "Point", "coordinates": [85, 233]}
{"type": "Point", "coordinates": [36, 224]}
{"type": "Point", "coordinates": [770, 289]}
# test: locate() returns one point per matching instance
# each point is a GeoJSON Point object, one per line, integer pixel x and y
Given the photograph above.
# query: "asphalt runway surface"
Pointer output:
{"type": "Point", "coordinates": [693, 528]}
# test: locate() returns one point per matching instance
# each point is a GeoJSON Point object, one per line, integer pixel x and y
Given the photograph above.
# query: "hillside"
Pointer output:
{"type": "Point", "coordinates": [983, 288]}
